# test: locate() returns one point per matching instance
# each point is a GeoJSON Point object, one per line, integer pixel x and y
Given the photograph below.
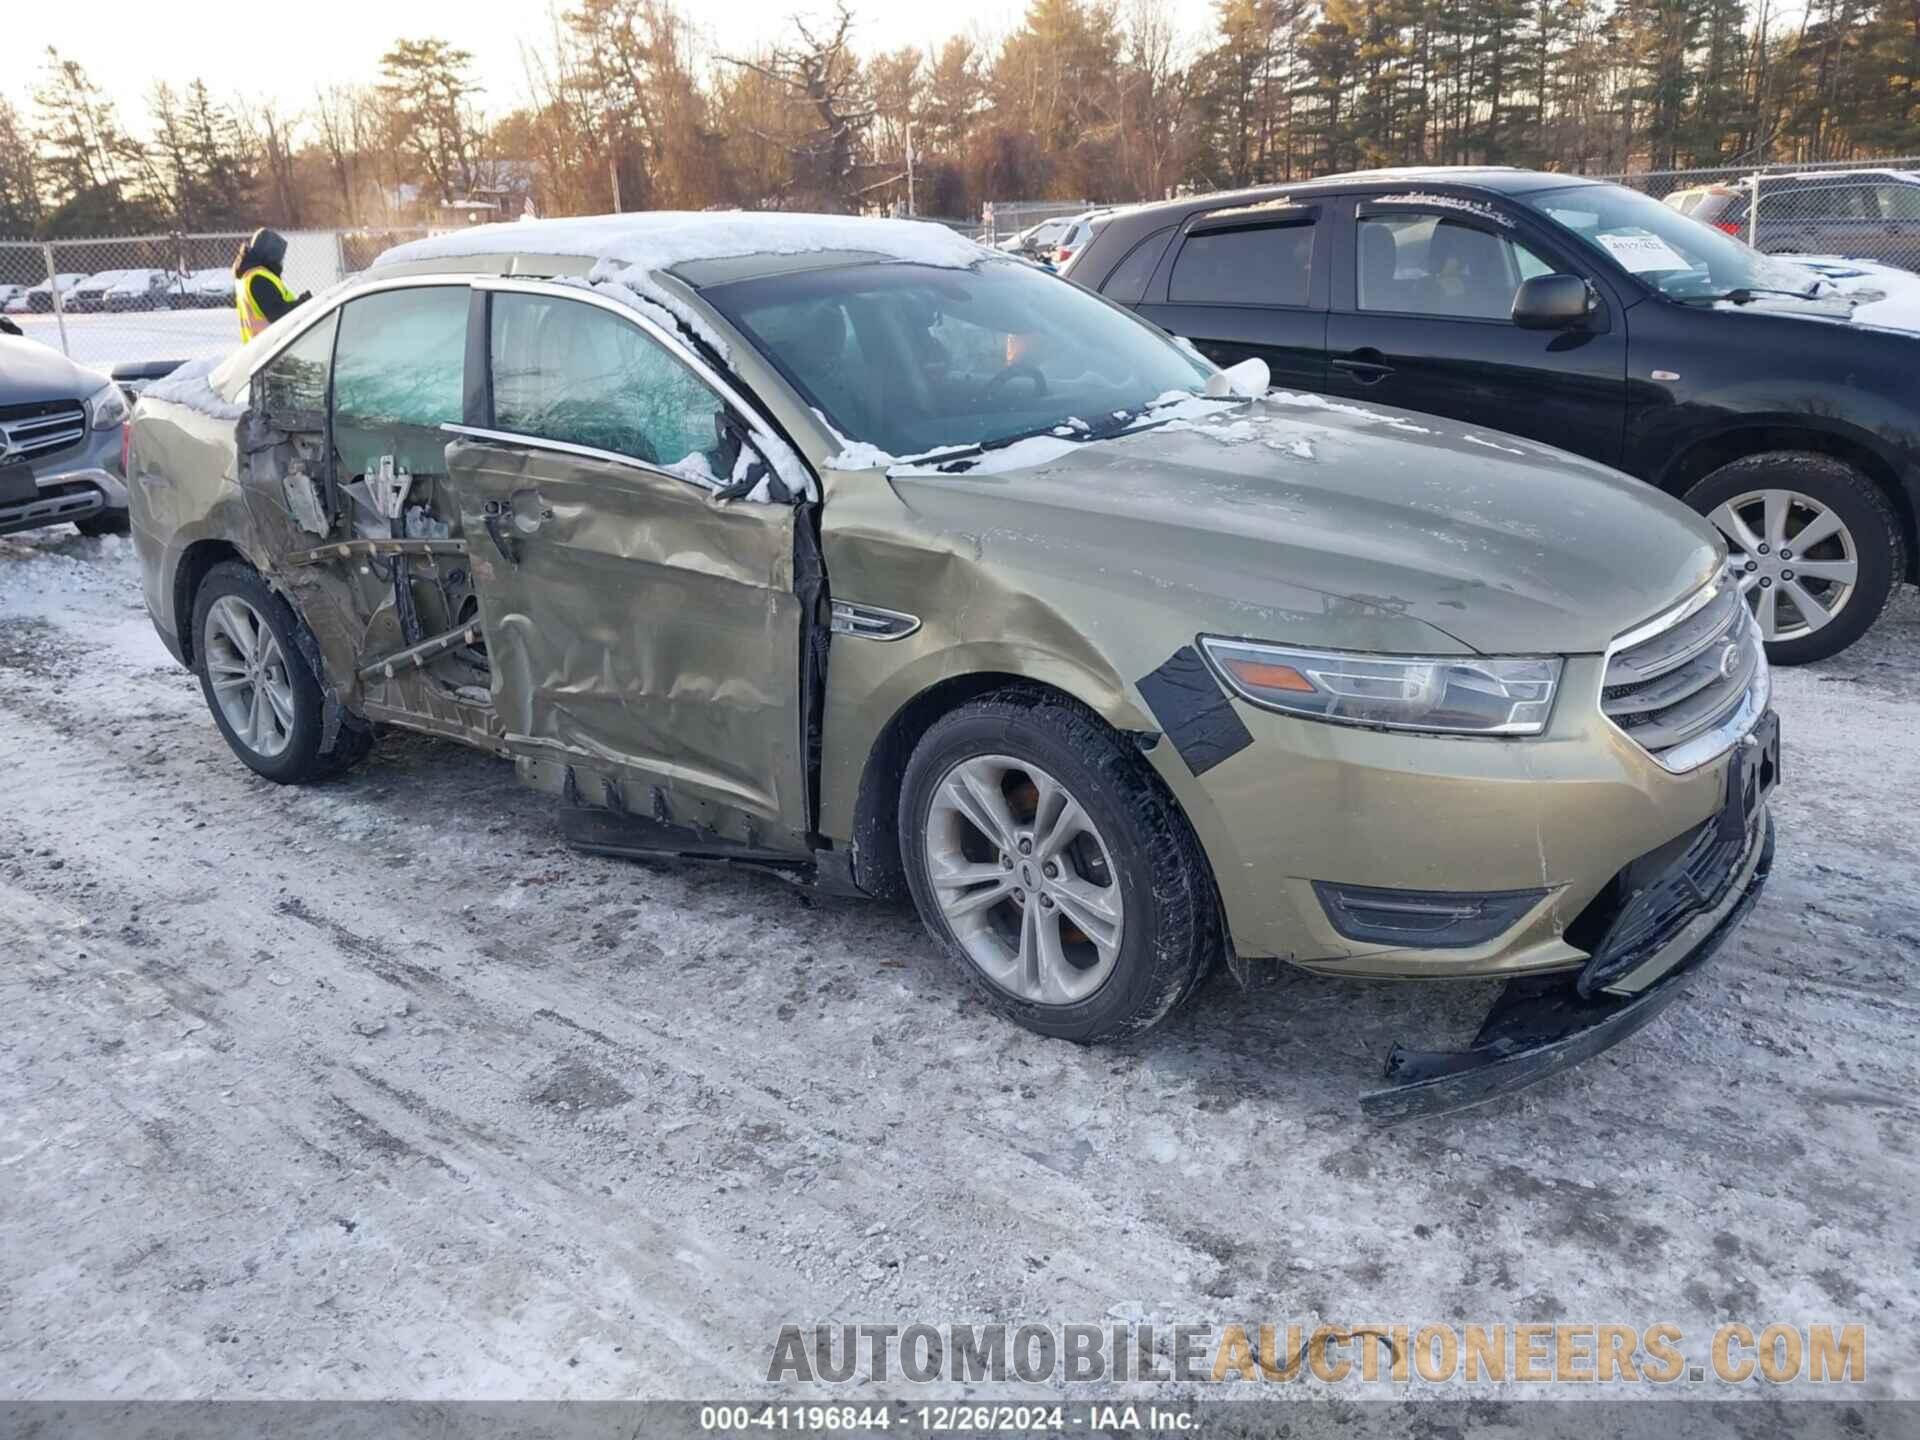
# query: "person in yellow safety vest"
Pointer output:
{"type": "Point", "coordinates": [259, 294]}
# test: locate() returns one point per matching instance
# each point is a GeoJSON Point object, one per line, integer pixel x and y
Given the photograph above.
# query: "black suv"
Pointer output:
{"type": "Point", "coordinates": [1874, 213]}
{"type": "Point", "coordinates": [1584, 315]}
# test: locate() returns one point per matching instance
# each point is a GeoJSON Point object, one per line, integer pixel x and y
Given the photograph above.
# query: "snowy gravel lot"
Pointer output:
{"type": "Point", "coordinates": [374, 1089]}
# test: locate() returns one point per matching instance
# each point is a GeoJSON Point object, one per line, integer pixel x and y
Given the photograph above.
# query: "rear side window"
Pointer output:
{"type": "Point", "coordinates": [572, 372]}
{"type": "Point", "coordinates": [1128, 282]}
{"type": "Point", "coordinates": [397, 376]}
{"type": "Point", "coordinates": [1258, 265]}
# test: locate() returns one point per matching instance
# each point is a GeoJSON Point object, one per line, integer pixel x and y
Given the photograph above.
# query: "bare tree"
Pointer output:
{"type": "Point", "coordinates": [822, 74]}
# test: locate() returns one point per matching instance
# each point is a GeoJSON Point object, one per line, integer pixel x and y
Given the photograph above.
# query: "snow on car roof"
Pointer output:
{"type": "Point", "coordinates": [657, 240]}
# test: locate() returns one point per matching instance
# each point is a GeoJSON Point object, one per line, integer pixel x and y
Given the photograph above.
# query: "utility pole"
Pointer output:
{"type": "Point", "coordinates": [910, 209]}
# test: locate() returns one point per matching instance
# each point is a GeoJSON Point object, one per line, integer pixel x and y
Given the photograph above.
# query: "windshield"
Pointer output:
{"type": "Point", "coordinates": [1682, 258]}
{"type": "Point", "coordinates": [915, 358]}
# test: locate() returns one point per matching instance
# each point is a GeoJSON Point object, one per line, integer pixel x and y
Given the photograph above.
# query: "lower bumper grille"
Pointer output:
{"type": "Point", "coordinates": [1649, 902]}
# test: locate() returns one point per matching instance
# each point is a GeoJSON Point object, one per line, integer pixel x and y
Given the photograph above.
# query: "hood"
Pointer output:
{"type": "Point", "coordinates": [30, 372]}
{"type": "Point", "coordinates": [1302, 519]}
{"type": "Point", "coordinates": [264, 247]}
{"type": "Point", "coordinates": [1854, 292]}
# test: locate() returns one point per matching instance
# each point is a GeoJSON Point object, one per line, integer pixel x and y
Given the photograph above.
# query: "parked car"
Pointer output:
{"type": "Point", "coordinates": [61, 429]}
{"type": "Point", "coordinates": [1078, 234]}
{"type": "Point", "coordinates": [1874, 214]}
{"type": "Point", "coordinates": [38, 299]}
{"type": "Point", "coordinates": [849, 550]}
{"type": "Point", "coordinates": [9, 293]}
{"type": "Point", "coordinates": [1584, 315]}
{"type": "Point", "coordinates": [144, 289]}
{"type": "Point", "coordinates": [1037, 242]}
{"type": "Point", "coordinates": [90, 294]}
{"type": "Point", "coordinates": [208, 289]}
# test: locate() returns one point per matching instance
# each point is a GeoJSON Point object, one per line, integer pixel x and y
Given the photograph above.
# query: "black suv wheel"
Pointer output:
{"type": "Point", "coordinates": [1816, 544]}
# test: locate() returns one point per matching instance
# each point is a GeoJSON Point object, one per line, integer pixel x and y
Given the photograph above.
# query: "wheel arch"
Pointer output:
{"type": "Point", "coordinates": [878, 868]}
{"type": "Point", "coordinates": [1736, 442]}
{"type": "Point", "coordinates": [189, 573]}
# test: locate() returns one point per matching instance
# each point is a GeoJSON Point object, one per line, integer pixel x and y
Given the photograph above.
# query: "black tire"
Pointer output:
{"type": "Point", "coordinates": [1862, 506]}
{"type": "Point", "coordinates": [309, 754]}
{"type": "Point", "coordinates": [107, 522]}
{"type": "Point", "coordinates": [1172, 933]}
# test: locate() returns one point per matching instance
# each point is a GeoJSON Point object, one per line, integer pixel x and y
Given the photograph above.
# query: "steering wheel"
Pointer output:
{"type": "Point", "coordinates": [1018, 370]}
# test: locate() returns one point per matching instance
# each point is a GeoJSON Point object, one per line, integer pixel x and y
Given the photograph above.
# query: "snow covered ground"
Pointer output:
{"type": "Point", "coordinates": [374, 1089]}
{"type": "Point", "coordinates": [103, 340]}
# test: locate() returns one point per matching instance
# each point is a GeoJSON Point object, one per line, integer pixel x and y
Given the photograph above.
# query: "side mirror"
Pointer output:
{"type": "Point", "coordinates": [1553, 302]}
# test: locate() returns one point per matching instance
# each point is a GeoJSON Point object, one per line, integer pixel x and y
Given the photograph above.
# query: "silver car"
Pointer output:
{"type": "Point", "coordinates": [60, 442]}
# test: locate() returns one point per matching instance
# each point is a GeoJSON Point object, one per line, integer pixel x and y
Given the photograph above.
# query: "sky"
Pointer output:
{"type": "Point", "coordinates": [127, 46]}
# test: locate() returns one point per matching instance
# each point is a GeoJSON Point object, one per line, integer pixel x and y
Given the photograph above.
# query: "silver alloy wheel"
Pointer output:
{"type": "Point", "coordinates": [1027, 884]}
{"type": "Point", "coordinates": [249, 676]}
{"type": "Point", "coordinates": [1789, 547]}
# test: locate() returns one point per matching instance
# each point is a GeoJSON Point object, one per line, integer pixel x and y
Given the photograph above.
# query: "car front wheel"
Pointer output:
{"type": "Point", "coordinates": [258, 684]}
{"type": "Point", "coordinates": [1815, 544]}
{"type": "Point", "coordinates": [1053, 868]}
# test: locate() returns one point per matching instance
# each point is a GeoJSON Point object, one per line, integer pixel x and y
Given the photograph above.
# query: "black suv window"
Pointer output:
{"type": "Point", "coordinates": [1414, 263]}
{"type": "Point", "coordinates": [397, 376]}
{"type": "Point", "coordinates": [568, 371]}
{"type": "Point", "coordinates": [1250, 265]}
{"type": "Point", "coordinates": [1128, 282]}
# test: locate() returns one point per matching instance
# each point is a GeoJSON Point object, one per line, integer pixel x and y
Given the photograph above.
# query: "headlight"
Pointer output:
{"type": "Point", "coordinates": [1449, 694]}
{"type": "Point", "coordinates": [108, 407]}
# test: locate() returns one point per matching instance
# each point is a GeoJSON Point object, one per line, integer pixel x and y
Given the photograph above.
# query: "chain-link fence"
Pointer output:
{"type": "Point", "coordinates": [1861, 209]}
{"type": "Point", "coordinates": [110, 301]}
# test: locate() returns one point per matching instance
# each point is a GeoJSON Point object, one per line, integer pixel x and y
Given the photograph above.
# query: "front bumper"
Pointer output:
{"type": "Point", "coordinates": [1303, 802]}
{"type": "Point", "coordinates": [74, 485]}
{"type": "Point", "coordinates": [1542, 1025]}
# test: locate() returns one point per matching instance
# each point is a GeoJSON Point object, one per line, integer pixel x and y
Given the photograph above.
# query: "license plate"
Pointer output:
{"type": "Point", "coordinates": [16, 484]}
{"type": "Point", "coordinates": [1756, 767]}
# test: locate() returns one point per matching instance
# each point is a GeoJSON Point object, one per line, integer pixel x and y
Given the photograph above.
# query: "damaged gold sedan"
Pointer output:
{"type": "Point", "coordinates": [845, 548]}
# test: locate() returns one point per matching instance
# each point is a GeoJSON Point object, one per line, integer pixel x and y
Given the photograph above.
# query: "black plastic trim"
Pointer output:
{"type": "Point", "coordinates": [1194, 711]}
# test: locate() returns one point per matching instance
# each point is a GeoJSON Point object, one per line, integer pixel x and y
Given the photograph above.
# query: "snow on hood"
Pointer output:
{"type": "Point", "coordinates": [192, 387]}
{"type": "Point", "coordinates": [660, 239]}
{"type": "Point", "coordinates": [1884, 295]}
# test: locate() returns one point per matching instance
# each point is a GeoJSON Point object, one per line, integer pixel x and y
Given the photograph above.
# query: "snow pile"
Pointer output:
{"type": "Point", "coordinates": [658, 240]}
{"type": "Point", "coordinates": [191, 386]}
{"type": "Point", "coordinates": [1884, 294]}
{"type": "Point", "coordinates": [1300, 400]}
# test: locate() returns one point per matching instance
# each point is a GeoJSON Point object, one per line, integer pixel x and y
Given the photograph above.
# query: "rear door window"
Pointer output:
{"type": "Point", "coordinates": [572, 372]}
{"type": "Point", "coordinates": [398, 373]}
{"type": "Point", "coordinates": [1270, 264]}
{"type": "Point", "coordinates": [1128, 282]}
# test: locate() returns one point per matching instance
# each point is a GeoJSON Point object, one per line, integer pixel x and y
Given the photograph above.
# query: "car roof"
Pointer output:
{"type": "Point", "coordinates": [680, 242]}
{"type": "Point", "coordinates": [1499, 179]}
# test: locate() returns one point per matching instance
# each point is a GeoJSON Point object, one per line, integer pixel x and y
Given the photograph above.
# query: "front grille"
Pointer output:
{"type": "Point", "coordinates": [30, 431]}
{"type": "Point", "coordinates": [1686, 687]}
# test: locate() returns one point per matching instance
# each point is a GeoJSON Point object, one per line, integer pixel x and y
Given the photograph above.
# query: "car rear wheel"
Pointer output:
{"type": "Point", "coordinates": [1054, 870]}
{"type": "Point", "coordinates": [258, 684]}
{"type": "Point", "coordinates": [1815, 543]}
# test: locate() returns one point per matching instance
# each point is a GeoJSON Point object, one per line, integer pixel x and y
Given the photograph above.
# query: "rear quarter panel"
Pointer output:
{"type": "Point", "coordinates": [182, 488]}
